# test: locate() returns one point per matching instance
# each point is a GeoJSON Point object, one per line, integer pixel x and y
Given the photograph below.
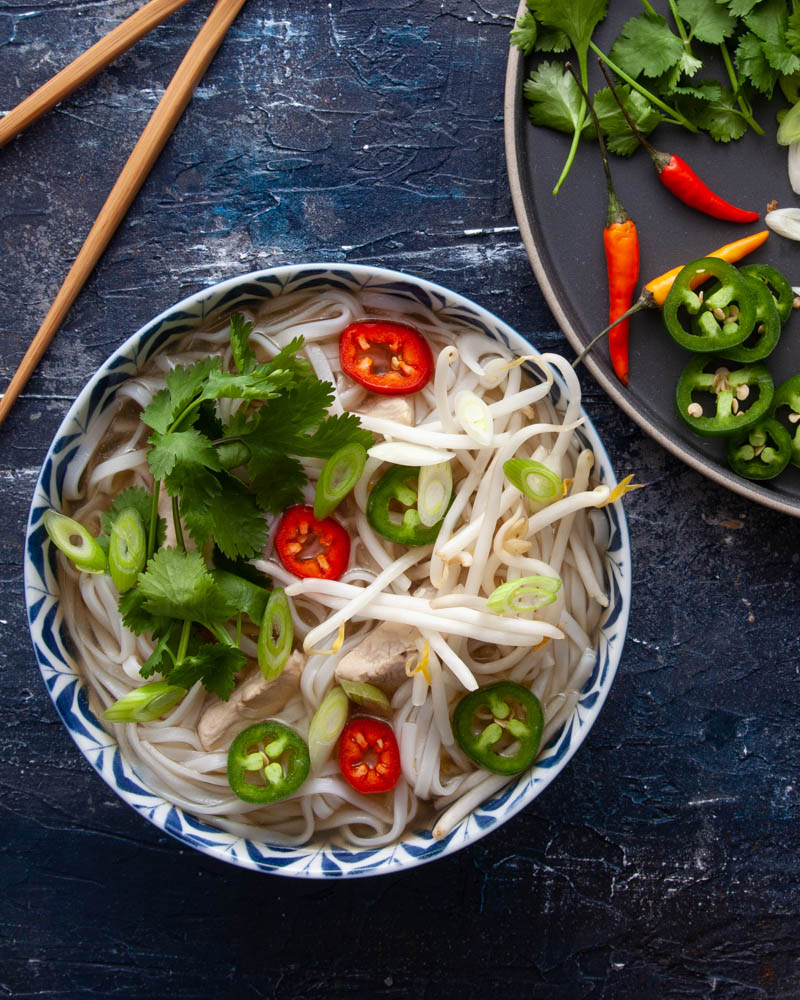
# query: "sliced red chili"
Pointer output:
{"type": "Point", "coordinates": [308, 547]}
{"type": "Point", "coordinates": [369, 757]}
{"type": "Point", "coordinates": [386, 357]}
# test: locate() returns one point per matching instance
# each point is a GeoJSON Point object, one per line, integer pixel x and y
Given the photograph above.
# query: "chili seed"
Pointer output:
{"type": "Point", "coordinates": [733, 312]}
{"type": "Point", "coordinates": [742, 391]}
{"type": "Point", "coordinates": [694, 410]}
{"type": "Point", "coordinates": [794, 417]}
{"type": "Point", "coordinates": [735, 405]}
{"type": "Point", "coordinates": [760, 328]}
{"type": "Point", "coordinates": [719, 313]}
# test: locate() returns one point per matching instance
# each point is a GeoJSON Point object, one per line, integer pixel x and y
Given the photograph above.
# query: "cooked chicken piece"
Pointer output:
{"type": "Point", "coordinates": [397, 408]}
{"type": "Point", "coordinates": [254, 700]}
{"type": "Point", "coordinates": [381, 658]}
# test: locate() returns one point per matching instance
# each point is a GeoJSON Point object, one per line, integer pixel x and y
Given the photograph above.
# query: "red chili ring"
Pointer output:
{"type": "Point", "coordinates": [400, 352]}
{"type": "Point", "coordinates": [326, 543]}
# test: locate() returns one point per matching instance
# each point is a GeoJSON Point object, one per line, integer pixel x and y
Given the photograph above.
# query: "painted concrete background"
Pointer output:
{"type": "Point", "coordinates": [663, 863]}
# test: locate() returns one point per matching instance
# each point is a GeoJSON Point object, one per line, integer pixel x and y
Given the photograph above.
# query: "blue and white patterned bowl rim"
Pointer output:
{"type": "Point", "coordinates": [67, 690]}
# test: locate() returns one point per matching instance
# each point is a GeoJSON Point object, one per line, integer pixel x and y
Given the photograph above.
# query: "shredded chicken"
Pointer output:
{"type": "Point", "coordinates": [381, 658]}
{"type": "Point", "coordinates": [400, 409]}
{"type": "Point", "coordinates": [253, 700]}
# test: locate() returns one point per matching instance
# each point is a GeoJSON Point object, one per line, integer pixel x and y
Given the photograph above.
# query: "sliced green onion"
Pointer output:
{"type": "Point", "coordinates": [474, 417]}
{"type": "Point", "coordinates": [75, 542]}
{"type": "Point", "coordinates": [435, 486]}
{"type": "Point", "coordinates": [146, 703]}
{"type": "Point", "coordinates": [276, 635]}
{"type": "Point", "coordinates": [366, 695]}
{"type": "Point", "coordinates": [405, 453]}
{"type": "Point", "coordinates": [127, 548]}
{"type": "Point", "coordinates": [326, 726]}
{"type": "Point", "coordinates": [535, 480]}
{"type": "Point", "coordinates": [339, 475]}
{"type": "Point", "coordinates": [509, 598]}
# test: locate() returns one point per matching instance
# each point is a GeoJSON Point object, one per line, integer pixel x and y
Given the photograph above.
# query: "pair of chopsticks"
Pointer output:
{"type": "Point", "coordinates": [140, 162]}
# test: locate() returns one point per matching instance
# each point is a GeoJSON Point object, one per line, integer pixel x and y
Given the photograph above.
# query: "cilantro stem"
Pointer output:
{"type": "Point", "coordinates": [676, 115]}
{"type": "Point", "coordinates": [681, 27]}
{"type": "Point", "coordinates": [152, 528]}
{"type": "Point", "coordinates": [576, 135]}
{"type": "Point", "coordinates": [222, 634]}
{"type": "Point", "coordinates": [183, 644]}
{"type": "Point", "coordinates": [176, 517]}
{"type": "Point", "coordinates": [741, 100]}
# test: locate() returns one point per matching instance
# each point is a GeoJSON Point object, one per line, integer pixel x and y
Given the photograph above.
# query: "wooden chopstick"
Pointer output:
{"type": "Point", "coordinates": [86, 66]}
{"type": "Point", "coordinates": [145, 153]}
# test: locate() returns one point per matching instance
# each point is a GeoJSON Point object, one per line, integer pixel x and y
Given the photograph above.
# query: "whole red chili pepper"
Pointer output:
{"type": "Point", "coordinates": [678, 177]}
{"type": "Point", "coordinates": [621, 242]}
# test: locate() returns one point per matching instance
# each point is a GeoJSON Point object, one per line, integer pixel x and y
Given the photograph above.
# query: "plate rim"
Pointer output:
{"type": "Point", "coordinates": [513, 121]}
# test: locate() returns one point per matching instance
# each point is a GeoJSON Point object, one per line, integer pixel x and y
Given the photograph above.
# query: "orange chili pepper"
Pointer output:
{"type": "Point", "coordinates": [621, 243]}
{"type": "Point", "coordinates": [655, 292]}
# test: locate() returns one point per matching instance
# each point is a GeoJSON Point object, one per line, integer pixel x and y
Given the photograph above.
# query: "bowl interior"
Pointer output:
{"type": "Point", "coordinates": [60, 673]}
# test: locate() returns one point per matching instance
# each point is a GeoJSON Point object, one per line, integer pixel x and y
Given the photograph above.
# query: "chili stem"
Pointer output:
{"type": "Point", "coordinates": [636, 307]}
{"type": "Point", "coordinates": [741, 100]}
{"type": "Point", "coordinates": [612, 194]}
{"type": "Point", "coordinates": [631, 124]}
{"type": "Point", "coordinates": [678, 118]}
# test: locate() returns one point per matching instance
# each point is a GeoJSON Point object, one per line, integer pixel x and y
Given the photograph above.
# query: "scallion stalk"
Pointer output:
{"type": "Point", "coordinates": [145, 703]}
{"type": "Point", "coordinates": [75, 542]}
{"type": "Point", "coordinates": [474, 417]}
{"type": "Point", "coordinates": [276, 635]}
{"type": "Point", "coordinates": [509, 598]}
{"type": "Point", "coordinates": [327, 725]}
{"type": "Point", "coordinates": [338, 477]}
{"type": "Point", "coordinates": [127, 549]}
{"type": "Point", "coordinates": [534, 479]}
{"type": "Point", "coordinates": [435, 485]}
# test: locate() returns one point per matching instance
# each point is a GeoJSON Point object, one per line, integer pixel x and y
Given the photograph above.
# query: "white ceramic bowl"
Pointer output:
{"type": "Point", "coordinates": [66, 687]}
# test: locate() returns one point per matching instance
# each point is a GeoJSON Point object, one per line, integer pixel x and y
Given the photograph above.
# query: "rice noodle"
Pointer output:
{"type": "Point", "coordinates": [490, 535]}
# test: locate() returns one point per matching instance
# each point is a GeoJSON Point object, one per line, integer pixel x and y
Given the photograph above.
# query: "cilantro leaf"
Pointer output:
{"type": "Point", "coordinates": [243, 357]}
{"type": "Point", "coordinates": [137, 618]}
{"type": "Point", "coordinates": [551, 40]}
{"type": "Point", "coordinates": [793, 31]}
{"type": "Point", "coordinates": [276, 479]}
{"type": "Point", "coordinates": [577, 19]}
{"type": "Point", "coordinates": [523, 34]}
{"type": "Point", "coordinates": [647, 46]}
{"type": "Point", "coordinates": [245, 595]}
{"type": "Point", "coordinates": [741, 7]}
{"type": "Point", "coordinates": [721, 118]}
{"type": "Point", "coordinates": [142, 501]}
{"type": "Point", "coordinates": [781, 57]}
{"type": "Point", "coordinates": [178, 584]}
{"type": "Point", "coordinates": [708, 22]}
{"type": "Point", "coordinates": [768, 20]}
{"type": "Point", "coordinates": [261, 383]}
{"type": "Point", "coordinates": [184, 385]}
{"type": "Point", "coordinates": [162, 659]}
{"type": "Point", "coordinates": [703, 90]}
{"type": "Point", "coordinates": [215, 664]}
{"type": "Point", "coordinates": [620, 139]}
{"type": "Point", "coordinates": [232, 518]}
{"type": "Point", "coordinates": [553, 98]}
{"type": "Point", "coordinates": [186, 461]}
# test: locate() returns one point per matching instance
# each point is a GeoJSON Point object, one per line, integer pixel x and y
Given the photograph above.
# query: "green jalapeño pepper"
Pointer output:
{"type": "Point", "coordinates": [723, 316]}
{"type": "Point", "coordinates": [499, 727]}
{"type": "Point", "coordinates": [267, 762]}
{"type": "Point", "coordinates": [760, 452]}
{"type": "Point", "coordinates": [740, 398]}
{"type": "Point", "coordinates": [764, 338]}
{"type": "Point", "coordinates": [399, 488]}
{"type": "Point", "coordinates": [788, 394]}
{"type": "Point", "coordinates": [777, 284]}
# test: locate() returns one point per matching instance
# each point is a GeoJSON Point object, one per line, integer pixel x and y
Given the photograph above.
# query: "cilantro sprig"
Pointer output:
{"type": "Point", "coordinates": [223, 477]}
{"type": "Point", "coordinates": [660, 57]}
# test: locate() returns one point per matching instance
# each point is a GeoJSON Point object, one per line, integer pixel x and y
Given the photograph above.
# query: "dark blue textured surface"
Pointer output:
{"type": "Point", "coordinates": [663, 862]}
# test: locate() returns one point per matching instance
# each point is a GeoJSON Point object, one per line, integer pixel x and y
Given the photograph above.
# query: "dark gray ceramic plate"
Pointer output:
{"type": "Point", "coordinates": [563, 238]}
